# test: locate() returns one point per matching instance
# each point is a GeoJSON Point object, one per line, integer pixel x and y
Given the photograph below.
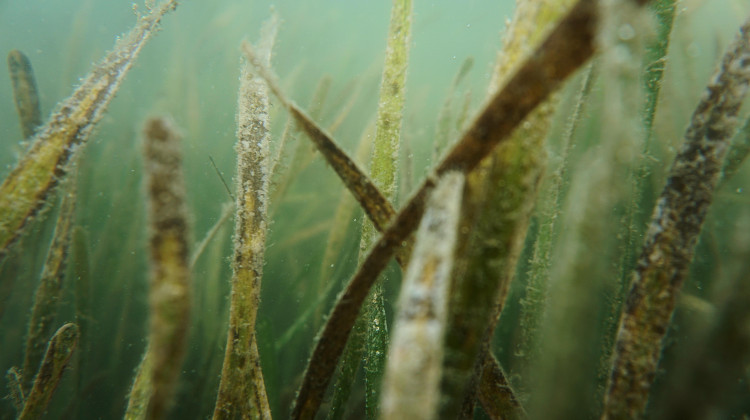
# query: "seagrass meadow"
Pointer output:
{"type": "Point", "coordinates": [400, 209]}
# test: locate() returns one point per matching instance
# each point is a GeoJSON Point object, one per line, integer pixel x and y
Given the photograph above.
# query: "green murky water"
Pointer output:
{"type": "Point", "coordinates": [190, 71]}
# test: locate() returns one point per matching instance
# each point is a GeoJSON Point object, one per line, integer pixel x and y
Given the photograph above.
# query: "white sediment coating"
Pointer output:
{"type": "Point", "coordinates": [412, 376]}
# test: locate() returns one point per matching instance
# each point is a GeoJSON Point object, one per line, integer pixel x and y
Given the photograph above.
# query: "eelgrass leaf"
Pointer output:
{"type": "Point", "coordinates": [141, 390]}
{"type": "Point", "coordinates": [344, 210]}
{"type": "Point", "coordinates": [81, 277]}
{"type": "Point", "coordinates": [384, 170]}
{"type": "Point", "coordinates": [49, 291]}
{"type": "Point", "coordinates": [445, 125]}
{"type": "Point", "coordinates": [706, 383]}
{"type": "Point", "coordinates": [655, 59]}
{"type": "Point", "coordinates": [221, 177]}
{"type": "Point", "coordinates": [25, 92]}
{"type": "Point", "coordinates": [569, 45]}
{"type": "Point", "coordinates": [242, 391]}
{"type": "Point", "coordinates": [15, 390]}
{"type": "Point", "coordinates": [565, 48]}
{"type": "Point", "coordinates": [634, 221]}
{"type": "Point", "coordinates": [499, 198]}
{"type": "Point", "coordinates": [226, 213]}
{"type": "Point", "coordinates": [737, 153]}
{"type": "Point", "coordinates": [332, 339]}
{"type": "Point", "coordinates": [535, 298]}
{"type": "Point", "coordinates": [346, 372]}
{"type": "Point", "coordinates": [59, 350]}
{"type": "Point", "coordinates": [498, 399]}
{"type": "Point", "coordinates": [169, 284]}
{"type": "Point", "coordinates": [378, 209]}
{"type": "Point", "coordinates": [305, 234]}
{"type": "Point", "coordinates": [673, 232]}
{"type": "Point", "coordinates": [352, 354]}
{"type": "Point", "coordinates": [27, 187]}
{"type": "Point", "coordinates": [345, 110]}
{"type": "Point", "coordinates": [411, 384]}
{"type": "Point", "coordinates": [303, 151]}
{"type": "Point", "coordinates": [564, 376]}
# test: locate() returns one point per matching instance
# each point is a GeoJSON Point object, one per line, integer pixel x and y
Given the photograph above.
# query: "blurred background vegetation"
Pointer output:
{"type": "Point", "coordinates": [190, 71]}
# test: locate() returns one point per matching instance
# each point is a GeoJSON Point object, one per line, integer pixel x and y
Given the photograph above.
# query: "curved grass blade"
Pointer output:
{"type": "Point", "coordinates": [569, 45]}
{"type": "Point", "coordinates": [332, 339]}
{"type": "Point", "coordinates": [500, 197]}
{"type": "Point", "coordinates": [26, 189]}
{"type": "Point", "coordinates": [351, 357]}
{"type": "Point", "coordinates": [673, 233]}
{"type": "Point", "coordinates": [141, 390]}
{"type": "Point", "coordinates": [59, 351]}
{"type": "Point", "coordinates": [49, 292]}
{"type": "Point", "coordinates": [25, 93]}
{"type": "Point", "coordinates": [15, 389]}
{"type": "Point", "coordinates": [566, 47]}
{"type": "Point", "coordinates": [378, 209]}
{"type": "Point", "coordinates": [343, 211]}
{"type": "Point", "coordinates": [303, 151]}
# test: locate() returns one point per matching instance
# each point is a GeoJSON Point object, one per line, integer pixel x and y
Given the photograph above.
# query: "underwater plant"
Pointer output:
{"type": "Point", "coordinates": [25, 92]}
{"type": "Point", "coordinates": [673, 232]}
{"type": "Point", "coordinates": [169, 283]}
{"type": "Point", "coordinates": [242, 392]}
{"type": "Point", "coordinates": [25, 190]}
{"type": "Point", "coordinates": [516, 290]}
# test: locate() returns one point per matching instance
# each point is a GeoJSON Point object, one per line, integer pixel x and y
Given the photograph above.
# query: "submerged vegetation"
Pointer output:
{"type": "Point", "coordinates": [570, 220]}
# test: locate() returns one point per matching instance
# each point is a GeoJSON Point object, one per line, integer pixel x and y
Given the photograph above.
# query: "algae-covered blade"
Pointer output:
{"type": "Point", "coordinates": [25, 93]}
{"type": "Point", "coordinates": [26, 189]}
